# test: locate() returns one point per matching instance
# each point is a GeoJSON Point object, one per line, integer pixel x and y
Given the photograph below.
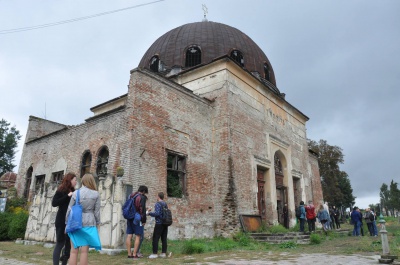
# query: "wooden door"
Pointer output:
{"type": "Point", "coordinates": [261, 194]}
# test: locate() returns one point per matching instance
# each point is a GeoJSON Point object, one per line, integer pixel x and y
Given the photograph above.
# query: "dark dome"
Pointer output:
{"type": "Point", "coordinates": [214, 40]}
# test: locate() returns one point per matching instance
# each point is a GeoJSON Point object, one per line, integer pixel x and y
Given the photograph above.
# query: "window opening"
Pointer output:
{"type": "Point", "coordinates": [176, 175]}
{"type": "Point", "coordinates": [193, 56]}
{"type": "Point", "coordinates": [154, 63]}
{"type": "Point", "coordinates": [278, 165]}
{"type": "Point", "coordinates": [237, 56]}
{"type": "Point", "coordinates": [86, 163]}
{"type": "Point", "coordinates": [56, 177]}
{"type": "Point", "coordinates": [102, 161]}
{"type": "Point", "coordinates": [28, 182]}
{"type": "Point", "coordinates": [266, 72]}
{"type": "Point", "coordinates": [39, 184]}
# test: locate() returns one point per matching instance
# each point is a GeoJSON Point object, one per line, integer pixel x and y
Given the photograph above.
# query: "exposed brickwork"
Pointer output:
{"type": "Point", "coordinates": [225, 140]}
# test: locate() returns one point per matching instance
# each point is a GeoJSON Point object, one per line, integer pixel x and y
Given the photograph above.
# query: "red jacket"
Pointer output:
{"type": "Point", "coordinates": [310, 211]}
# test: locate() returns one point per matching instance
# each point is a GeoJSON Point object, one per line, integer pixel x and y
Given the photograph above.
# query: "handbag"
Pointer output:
{"type": "Point", "coordinates": [75, 216]}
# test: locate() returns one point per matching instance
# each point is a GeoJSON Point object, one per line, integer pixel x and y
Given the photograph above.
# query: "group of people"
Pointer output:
{"type": "Point", "coordinates": [160, 229]}
{"type": "Point", "coordinates": [327, 216]}
{"type": "Point", "coordinates": [357, 220]}
{"type": "Point", "coordinates": [88, 236]}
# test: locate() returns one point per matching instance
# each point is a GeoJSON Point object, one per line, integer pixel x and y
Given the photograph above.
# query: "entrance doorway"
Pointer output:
{"type": "Point", "coordinates": [261, 194]}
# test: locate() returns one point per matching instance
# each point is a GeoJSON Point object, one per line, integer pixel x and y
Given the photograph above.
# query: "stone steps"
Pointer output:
{"type": "Point", "coordinates": [297, 237]}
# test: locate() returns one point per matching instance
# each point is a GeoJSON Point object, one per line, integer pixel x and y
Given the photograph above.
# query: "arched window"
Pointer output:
{"type": "Point", "coordinates": [86, 163]}
{"type": "Point", "coordinates": [238, 57]}
{"type": "Point", "coordinates": [155, 63]}
{"type": "Point", "coordinates": [267, 74]}
{"type": "Point", "coordinates": [102, 161]}
{"type": "Point", "coordinates": [278, 165]}
{"type": "Point", "coordinates": [193, 56]}
{"type": "Point", "coordinates": [28, 182]}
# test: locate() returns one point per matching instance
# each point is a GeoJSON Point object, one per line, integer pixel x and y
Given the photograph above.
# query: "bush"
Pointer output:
{"type": "Point", "coordinates": [192, 247]}
{"type": "Point", "coordinates": [4, 225]}
{"type": "Point", "coordinates": [242, 239]}
{"type": "Point", "coordinates": [315, 239]}
{"type": "Point", "coordinates": [17, 225]}
{"type": "Point", "coordinates": [288, 245]}
{"type": "Point", "coordinates": [15, 203]}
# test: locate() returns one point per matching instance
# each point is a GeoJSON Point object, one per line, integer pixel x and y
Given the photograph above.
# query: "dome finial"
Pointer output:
{"type": "Point", "coordinates": [205, 10]}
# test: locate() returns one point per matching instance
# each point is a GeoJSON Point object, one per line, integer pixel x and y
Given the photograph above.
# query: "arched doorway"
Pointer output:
{"type": "Point", "coordinates": [281, 193]}
{"type": "Point", "coordinates": [28, 182]}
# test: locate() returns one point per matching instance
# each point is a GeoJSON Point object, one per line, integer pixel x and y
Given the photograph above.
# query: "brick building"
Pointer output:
{"type": "Point", "coordinates": [203, 121]}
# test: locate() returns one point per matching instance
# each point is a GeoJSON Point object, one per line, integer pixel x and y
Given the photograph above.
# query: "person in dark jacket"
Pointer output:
{"type": "Point", "coordinates": [61, 200]}
{"type": "Point", "coordinates": [302, 216]}
{"type": "Point", "coordinates": [138, 230]}
{"type": "Point", "coordinates": [356, 219]}
{"type": "Point", "coordinates": [337, 217]}
{"type": "Point", "coordinates": [160, 230]}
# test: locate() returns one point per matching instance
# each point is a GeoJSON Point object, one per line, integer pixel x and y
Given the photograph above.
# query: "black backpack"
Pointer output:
{"type": "Point", "coordinates": [166, 214]}
{"type": "Point", "coordinates": [298, 212]}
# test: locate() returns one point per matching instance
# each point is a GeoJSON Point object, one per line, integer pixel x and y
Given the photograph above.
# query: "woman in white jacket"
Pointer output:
{"type": "Point", "coordinates": [88, 235]}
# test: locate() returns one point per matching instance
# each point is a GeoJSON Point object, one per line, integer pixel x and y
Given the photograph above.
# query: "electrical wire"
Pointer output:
{"type": "Point", "coordinates": [9, 31]}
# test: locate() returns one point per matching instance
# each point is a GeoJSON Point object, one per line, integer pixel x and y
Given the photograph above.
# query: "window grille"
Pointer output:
{"type": "Point", "coordinates": [86, 163]}
{"type": "Point", "coordinates": [56, 177]}
{"type": "Point", "coordinates": [102, 162]}
{"type": "Point", "coordinates": [39, 184]}
{"type": "Point", "coordinates": [176, 175]}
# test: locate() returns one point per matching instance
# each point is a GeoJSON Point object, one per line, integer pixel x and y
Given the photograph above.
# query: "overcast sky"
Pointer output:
{"type": "Point", "coordinates": [337, 61]}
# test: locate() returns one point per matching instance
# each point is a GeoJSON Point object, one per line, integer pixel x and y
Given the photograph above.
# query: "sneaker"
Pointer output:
{"type": "Point", "coordinates": [153, 256]}
{"type": "Point", "coordinates": [163, 255]}
{"type": "Point", "coordinates": [140, 255]}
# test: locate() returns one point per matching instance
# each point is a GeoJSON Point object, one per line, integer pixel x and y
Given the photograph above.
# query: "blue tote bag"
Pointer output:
{"type": "Point", "coordinates": [75, 216]}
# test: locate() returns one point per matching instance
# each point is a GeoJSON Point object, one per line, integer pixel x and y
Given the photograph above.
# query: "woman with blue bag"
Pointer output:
{"type": "Point", "coordinates": [87, 236]}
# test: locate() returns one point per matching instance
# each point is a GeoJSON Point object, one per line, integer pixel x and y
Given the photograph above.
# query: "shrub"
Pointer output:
{"type": "Point", "coordinates": [263, 227]}
{"type": "Point", "coordinates": [17, 225]}
{"type": "Point", "coordinates": [288, 245]}
{"type": "Point", "coordinates": [242, 239]}
{"type": "Point", "coordinates": [14, 203]}
{"type": "Point", "coordinates": [277, 229]}
{"type": "Point", "coordinates": [192, 247]}
{"type": "Point", "coordinates": [4, 226]}
{"type": "Point", "coordinates": [315, 239]}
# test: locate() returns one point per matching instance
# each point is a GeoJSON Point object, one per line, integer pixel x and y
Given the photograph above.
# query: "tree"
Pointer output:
{"type": "Point", "coordinates": [384, 195]}
{"type": "Point", "coordinates": [394, 199]}
{"type": "Point", "coordinates": [9, 137]}
{"type": "Point", "coordinates": [336, 185]}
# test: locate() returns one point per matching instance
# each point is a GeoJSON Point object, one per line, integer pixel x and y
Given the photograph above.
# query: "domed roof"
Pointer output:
{"type": "Point", "coordinates": [214, 40]}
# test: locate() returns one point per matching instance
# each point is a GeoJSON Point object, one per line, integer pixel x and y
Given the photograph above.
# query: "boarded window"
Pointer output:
{"type": "Point", "coordinates": [102, 162]}
{"type": "Point", "coordinates": [86, 163]}
{"type": "Point", "coordinates": [237, 56]}
{"type": "Point", "coordinates": [176, 175]}
{"type": "Point", "coordinates": [193, 56]}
